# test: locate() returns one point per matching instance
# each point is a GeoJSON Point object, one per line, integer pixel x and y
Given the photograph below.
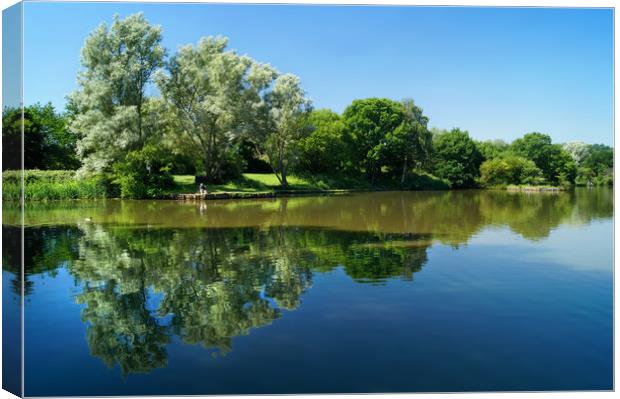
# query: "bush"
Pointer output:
{"type": "Point", "coordinates": [510, 170]}
{"type": "Point", "coordinates": [587, 176]}
{"type": "Point", "coordinates": [556, 164]}
{"type": "Point", "coordinates": [51, 185]}
{"type": "Point", "coordinates": [419, 180]}
{"type": "Point", "coordinates": [143, 174]}
{"type": "Point", "coordinates": [495, 172]}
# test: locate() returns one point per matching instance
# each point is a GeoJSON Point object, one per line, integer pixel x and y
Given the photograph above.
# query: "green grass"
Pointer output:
{"type": "Point", "coordinates": [249, 183]}
{"type": "Point", "coordinates": [42, 185]}
{"type": "Point", "coordinates": [268, 182]}
{"type": "Point", "coordinates": [64, 184]}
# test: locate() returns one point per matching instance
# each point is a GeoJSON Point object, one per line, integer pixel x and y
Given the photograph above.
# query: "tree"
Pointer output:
{"type": "Point", "coordinates": [491, 149]}
{"type": "Point", "coordinates": [322, 151]}
{"type": "Point", "coordinates": [578, 150]}
{"type": "Point", "coordinates": [556, 164]}
{"type": "Point", "coordinates": [47, 142]}
{"type": "Point", "coordinates": [367, 123]}
{"type": "Point", "coordinates": [12, 123]}
{"type": "Point", "coordinates": [288, 112]}
{"type": "Point", "coordinates": [213, 97]}
{"type": "Point", "coordinates": [110, 107]}
{"type": "Point", "coordinates": [597, 166]}
{"type": "Point", "coordinates": [410, 144]}
{"type": "Point", "coordinates": [456, 158]}
{"type": "Point", "coordinates": [509, 169]}
{"type": "Point", "coordinates": [600, 158]}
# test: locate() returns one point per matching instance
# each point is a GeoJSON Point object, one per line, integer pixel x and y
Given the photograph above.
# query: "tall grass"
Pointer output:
{"type": "Point", "coordinates": [41, 185]}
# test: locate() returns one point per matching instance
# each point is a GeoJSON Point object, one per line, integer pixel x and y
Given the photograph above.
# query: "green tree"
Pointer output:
{"type": "Point", "coordinates": [410, 144]}
{"type": "Point", "coordinates": [144, 173]}
{"type": "Point", "coordinates": [288, 111]}
{"type": "Point", "coordinates": [367, 123]}
{"type": "Point", "coordinates": [324, 149]}
{"type": "Point", "coordinates": [48, 144]}
{"type": "Point", "coordinates": [597, 167]}
{"type": "Point", "coordinates": [495, 172]}
{"type": "Point", "coordinates": [509, 169]}
{"type": "Point", "coordinates": [110, 107]}
{"type": "Point", "coordinates": [456, 158]}
{"type": "Point", "coordinates": [556, 164]}
{"type": "Point", "coordinates": [213, 98]}
{"type": "Point", "coordinates": [491, 149]}
{"type": "Point", "coordinates": [12, 122]}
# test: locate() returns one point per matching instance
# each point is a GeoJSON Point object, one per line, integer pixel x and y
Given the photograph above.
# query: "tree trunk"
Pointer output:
{"type": "Point", "coordinates": [283, 180]}
{"type": "Point", "coordinates": [208, 168]}
{"type": "Point", "coordinates": [140, 139]}
{"type": "Point", "coordinates": [402, 178]}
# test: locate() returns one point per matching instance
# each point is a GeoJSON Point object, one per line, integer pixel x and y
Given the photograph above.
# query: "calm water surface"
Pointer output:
{"type": "Point", "coordinates": [372, 292]}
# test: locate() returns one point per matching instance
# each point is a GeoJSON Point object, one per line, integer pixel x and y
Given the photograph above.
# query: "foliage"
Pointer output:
{"type": "Point", "coordinates": [367, 123]}
{"type": "Point", "coordinates": [596, 168]}
{"type": "Point", "coordinates": [556, 164]}
{"type": "Point", "coordinates": [144, 173]}
{"type": "Point", "coordinates": [213, 97]}
{"type": "Point", "coordinates": [456, 158]}
{"type": "Point", "coordinates": [324, 149]}
{"type": "Point", "coordinates": [47, 142]}
{"type": "Point", "coordinates": [600, 157]}
{"type": "Point", "coordinates": [288, 119]}
{"type": "Point", "coordinates": [491, 149]}
{"type": "Point", "coordinates": [110, 111]}
{"type": "Point", "coordinates": [252, 158]}
{"type": "Point", "coordinates": [410, 144]}
{"type": "Point", "coordinates": [51, 185]}
{"type": "Point", "coordinates": [509, 170]}
{"type": "Point", "coordinates": [578, 150]}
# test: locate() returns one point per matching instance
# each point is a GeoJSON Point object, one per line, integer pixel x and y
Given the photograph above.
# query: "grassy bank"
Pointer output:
{"type": "Point", "coordinates": [50, 185]}
{"type": "Point", "coordinates": [65, 185]}
{"type": "Point", "coordinates": [268, 182]}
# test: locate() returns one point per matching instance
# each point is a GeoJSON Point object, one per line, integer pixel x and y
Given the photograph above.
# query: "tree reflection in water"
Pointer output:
{"type": "Point", "coordinates": [141, 282]}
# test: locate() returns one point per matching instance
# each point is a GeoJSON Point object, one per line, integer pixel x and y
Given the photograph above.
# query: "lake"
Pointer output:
{"type": "Point", "coordinates": [369, 292]}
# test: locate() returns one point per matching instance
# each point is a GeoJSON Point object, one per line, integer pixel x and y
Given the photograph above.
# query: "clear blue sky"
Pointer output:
{"type": "Point", "coordinates": [496, 72]}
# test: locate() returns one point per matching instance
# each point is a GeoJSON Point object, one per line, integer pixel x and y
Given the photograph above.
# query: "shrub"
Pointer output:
{"type": "Point", "coordinates": [510, 169]}
{"type": "Point", "coordinates": [495, 172]}
{"type": "Point", "coordinates": [51, 185]}
{"type": "Point", "coordinates": [143, 174]}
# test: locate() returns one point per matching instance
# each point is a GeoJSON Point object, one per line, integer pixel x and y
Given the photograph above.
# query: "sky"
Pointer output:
{"type": "Point", "coordinates": [497, 72]}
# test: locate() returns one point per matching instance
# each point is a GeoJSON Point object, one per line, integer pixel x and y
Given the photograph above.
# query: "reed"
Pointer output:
{"type": "Point", "coordinates": [41, 185]}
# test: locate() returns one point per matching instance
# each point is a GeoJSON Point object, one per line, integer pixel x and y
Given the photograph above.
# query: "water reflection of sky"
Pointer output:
{"type": "Point", "coordinates": [585, 247]}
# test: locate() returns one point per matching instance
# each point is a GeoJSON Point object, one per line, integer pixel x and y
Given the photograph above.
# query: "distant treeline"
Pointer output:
{"type": "Point", "coordinates": [220, 114]}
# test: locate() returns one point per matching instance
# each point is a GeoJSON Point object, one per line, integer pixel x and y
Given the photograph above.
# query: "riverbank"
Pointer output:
{"type": "Point", "coordinates": [536, 189]}
{"type": "Point", "coordinates": [65, 185]}
{"type": "Point", "coordinates": [51, 185]}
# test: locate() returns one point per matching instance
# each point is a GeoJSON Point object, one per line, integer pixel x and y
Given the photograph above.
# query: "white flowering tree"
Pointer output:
{"type": "Point", "coordinates": [578, 150]}
{"type": "Point", "coordinates": [110, 109]}
{"type": "Point", "coordinates": [213, 96]}
{"type": "Point", "coordinates": [288, 118]}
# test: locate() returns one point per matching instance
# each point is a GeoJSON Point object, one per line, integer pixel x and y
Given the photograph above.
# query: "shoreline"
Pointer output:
{"type": "Point", "coordinates": [226, 195]}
